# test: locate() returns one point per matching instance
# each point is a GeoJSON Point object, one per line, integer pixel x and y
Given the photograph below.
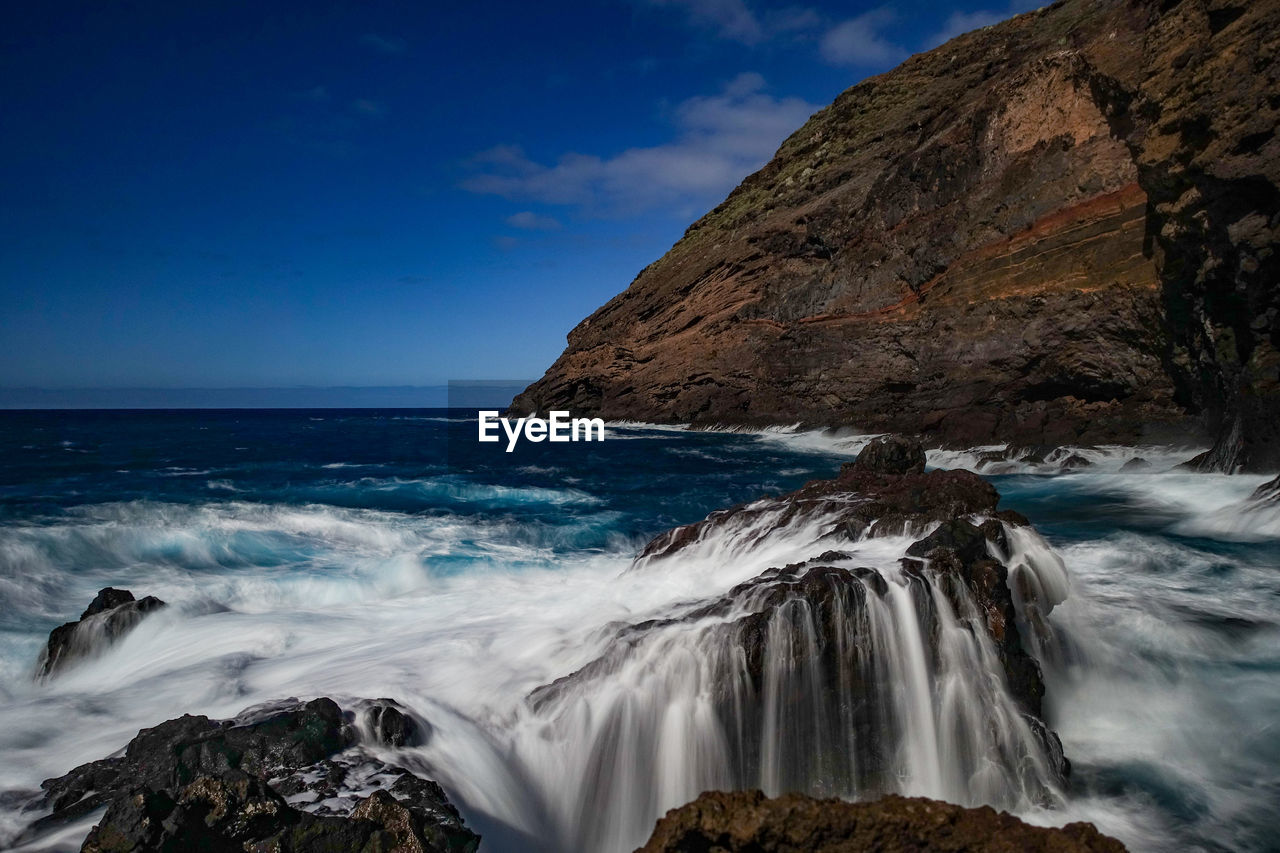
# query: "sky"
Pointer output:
{"type": "Point", "coordinates": [259, 195]}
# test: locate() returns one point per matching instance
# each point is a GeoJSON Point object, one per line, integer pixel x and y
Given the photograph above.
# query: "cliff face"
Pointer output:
{"type": "Point", "coordinates": [1057, 229]}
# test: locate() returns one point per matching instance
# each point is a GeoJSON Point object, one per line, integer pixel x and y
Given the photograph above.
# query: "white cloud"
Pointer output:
{"type": "Point", "coordinates": [720, 139]}
{"type": "Point", "coordinates": [731, 18]}
{"type": "Point", "coordinates": [530, 221]}
{"type": "Point", "coordinates": [384, 44]}
{"type": "Point", "coordinates": [859, 41]}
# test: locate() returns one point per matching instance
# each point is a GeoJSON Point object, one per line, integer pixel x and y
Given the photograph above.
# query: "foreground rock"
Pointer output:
{"type": "Point", "coordinates": [1059, 229]}
{"type": "Point", "coordinates": [112, 614]}
{"type": "Point", "coordinates": [280, 777]}
{"type": "Point", "coordinates": [749, 822]}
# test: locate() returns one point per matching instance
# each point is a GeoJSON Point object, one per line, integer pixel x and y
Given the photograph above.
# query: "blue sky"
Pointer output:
{"type": "Point", "coordinates": [214, 194]}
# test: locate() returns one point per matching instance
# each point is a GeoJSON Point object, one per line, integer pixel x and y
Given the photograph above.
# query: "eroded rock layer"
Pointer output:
{"type": "Point", "coordinates": [1059, 229]}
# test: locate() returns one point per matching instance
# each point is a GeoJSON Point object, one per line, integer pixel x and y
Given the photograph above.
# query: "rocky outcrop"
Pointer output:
{"type": "Point", "coordinates": [280, 777]}
{"type": "Point", "coordinates": [749, 822]}
{"type": "Point", "coordinates": [1057, 230]}
{"type": "Point", "coordinates": [803, 673]}
{"type": "Point", "coordinates": [111, 615]}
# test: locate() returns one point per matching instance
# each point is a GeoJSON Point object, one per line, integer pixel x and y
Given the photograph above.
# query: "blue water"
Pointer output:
{"type": "Point", "coordinates": [370, 553]}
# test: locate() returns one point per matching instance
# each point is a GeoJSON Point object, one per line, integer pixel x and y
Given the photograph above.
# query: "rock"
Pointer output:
{"type": "Point", "coordinates": [860, 499]}
{"type": "Point", "coordinates": [112, 614]}
{"type": "Point", "coordinates": [749, 822]}
{"type": "Point", "coordinates": [891, 455]}
{"type": "Point", "coordinates": [1269, 491]}
{"type": "Point", "coordinates": [1137, 463]}
{"type": "Point", "coordinates": [389, 725]}
{"type": "Point", "coordinates": [1057, 230]}
{"type": "Point", "coordinates": [283, 775]}
{"type": "Point", "coordinates": [236, 811]}
{"type": "Point", "coordinates": [1075, 462]}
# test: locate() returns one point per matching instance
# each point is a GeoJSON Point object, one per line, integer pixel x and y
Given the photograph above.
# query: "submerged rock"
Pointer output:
{"type": "Point", "coordinates": [281, 776]}
{"type": "Point", "coordinates": [112, 614]}
{"type": "Point", "coordinates": [750, 822]}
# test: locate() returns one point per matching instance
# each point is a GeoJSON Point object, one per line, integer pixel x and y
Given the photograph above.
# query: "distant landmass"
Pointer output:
{"type": "Point", "coordinates": [459, 394]}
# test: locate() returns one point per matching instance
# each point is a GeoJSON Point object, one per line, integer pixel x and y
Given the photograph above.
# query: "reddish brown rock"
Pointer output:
{"type": "Point", "coordinates": [1060, 229]}
{"type": "Point", "coordinates": [749, 822]}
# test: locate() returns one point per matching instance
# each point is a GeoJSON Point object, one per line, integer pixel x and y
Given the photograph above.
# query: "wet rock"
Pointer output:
{"type": "Point", "coordinates": [223, 784]}
{"type": "Point", "coordinates": [891, 454]}
{"type": "Point", "coordinates": [749, 822]}
{"type": "Point", "coordinates": [1137, 463]}
{"type": "Point", "coordinates": [1075, 462]}
{"type": "Point", "coordinates": [1269, 491]}
{"type": "Point", "coordinates": [112, 614]}
{"type": "Point", "coordinates": [860, 501]}
{"type": "Point", "coordinates": [391, 726]}
{"type": "Point", "coordinates": [237, 811]}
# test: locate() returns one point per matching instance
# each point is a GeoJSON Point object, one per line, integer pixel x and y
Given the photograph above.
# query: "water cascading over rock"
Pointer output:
{"type": "Point", "coordinates": [827, 676]}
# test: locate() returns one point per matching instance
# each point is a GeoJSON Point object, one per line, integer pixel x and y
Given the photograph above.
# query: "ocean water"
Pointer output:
{"type": "Point", "coordinates": [371, 553]}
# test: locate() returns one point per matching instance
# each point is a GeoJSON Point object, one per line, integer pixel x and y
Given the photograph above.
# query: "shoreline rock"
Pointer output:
{"type": "Point", "coordinates": [750, 822]}
{"type": "Point", "coordinates": [112, 614]}
{"type": "Point", "coordinates": [278, 777]}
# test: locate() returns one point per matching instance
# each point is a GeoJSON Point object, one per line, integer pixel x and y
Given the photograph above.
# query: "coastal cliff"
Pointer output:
{"type": "Point", "coordinates": [1058, 229]}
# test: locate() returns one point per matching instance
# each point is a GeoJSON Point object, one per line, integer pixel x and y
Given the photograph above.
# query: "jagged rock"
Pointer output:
{"type": "Point", "coordinates": [236, 811]}
{"type": "Point", "coordinates": [111, 615]}
{"type": "Point", "coordinates": [225, 784]}
{"type": "Point", "coordinates": [1269, 491]}
{"type": "Point", "coordinates": [860, 499]}
{"type": "Point", "coordinates": [891, 455]}
{"type": "Point", "coordinates": [391, 726]}
{"type": "Point", "coordinates": [749, 822]}
{"type": "Point", "coordinates": [1061, 229]}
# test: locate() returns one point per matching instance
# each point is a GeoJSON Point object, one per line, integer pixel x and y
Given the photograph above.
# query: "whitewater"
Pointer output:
{"type": "Point", "coordinates": [369, 554]}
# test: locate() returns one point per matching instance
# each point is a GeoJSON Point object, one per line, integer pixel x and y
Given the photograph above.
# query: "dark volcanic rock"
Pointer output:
{"type": "Point", "coordinates": [749, 822]}
{"type": "Point", "coordinates": [236, 811]}
{"type": "Point", "coordinates": [1061, 229]}
{"type": "Point", "coordinates": [390, 725]}
{"type": "Point", "coordinates": [111, 615]}
{"type": "Point", "coordinates": [196, 783]}
{"type": "Point", "coordinates": [884, 491]}
{"type": "Point", "coordinates": [891, 455]}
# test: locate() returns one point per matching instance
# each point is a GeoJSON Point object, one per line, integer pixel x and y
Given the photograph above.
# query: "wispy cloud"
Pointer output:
{"type": "Point", "coordinates": [732, 19]}
{"type": "Point", "coordinates": [384, 44]}
{"type": "Point", "coordinates": [530, 221]}
{"type": "Point", "coordinates": [719, 140]}
{"type": "Point", "coordinates": [366, 107]}
{"type": "Point", "coordinates": [861, 41]}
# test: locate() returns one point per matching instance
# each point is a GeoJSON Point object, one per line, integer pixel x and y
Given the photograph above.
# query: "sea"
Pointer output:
{"type": "Point", "coordinates": [387, 553]}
